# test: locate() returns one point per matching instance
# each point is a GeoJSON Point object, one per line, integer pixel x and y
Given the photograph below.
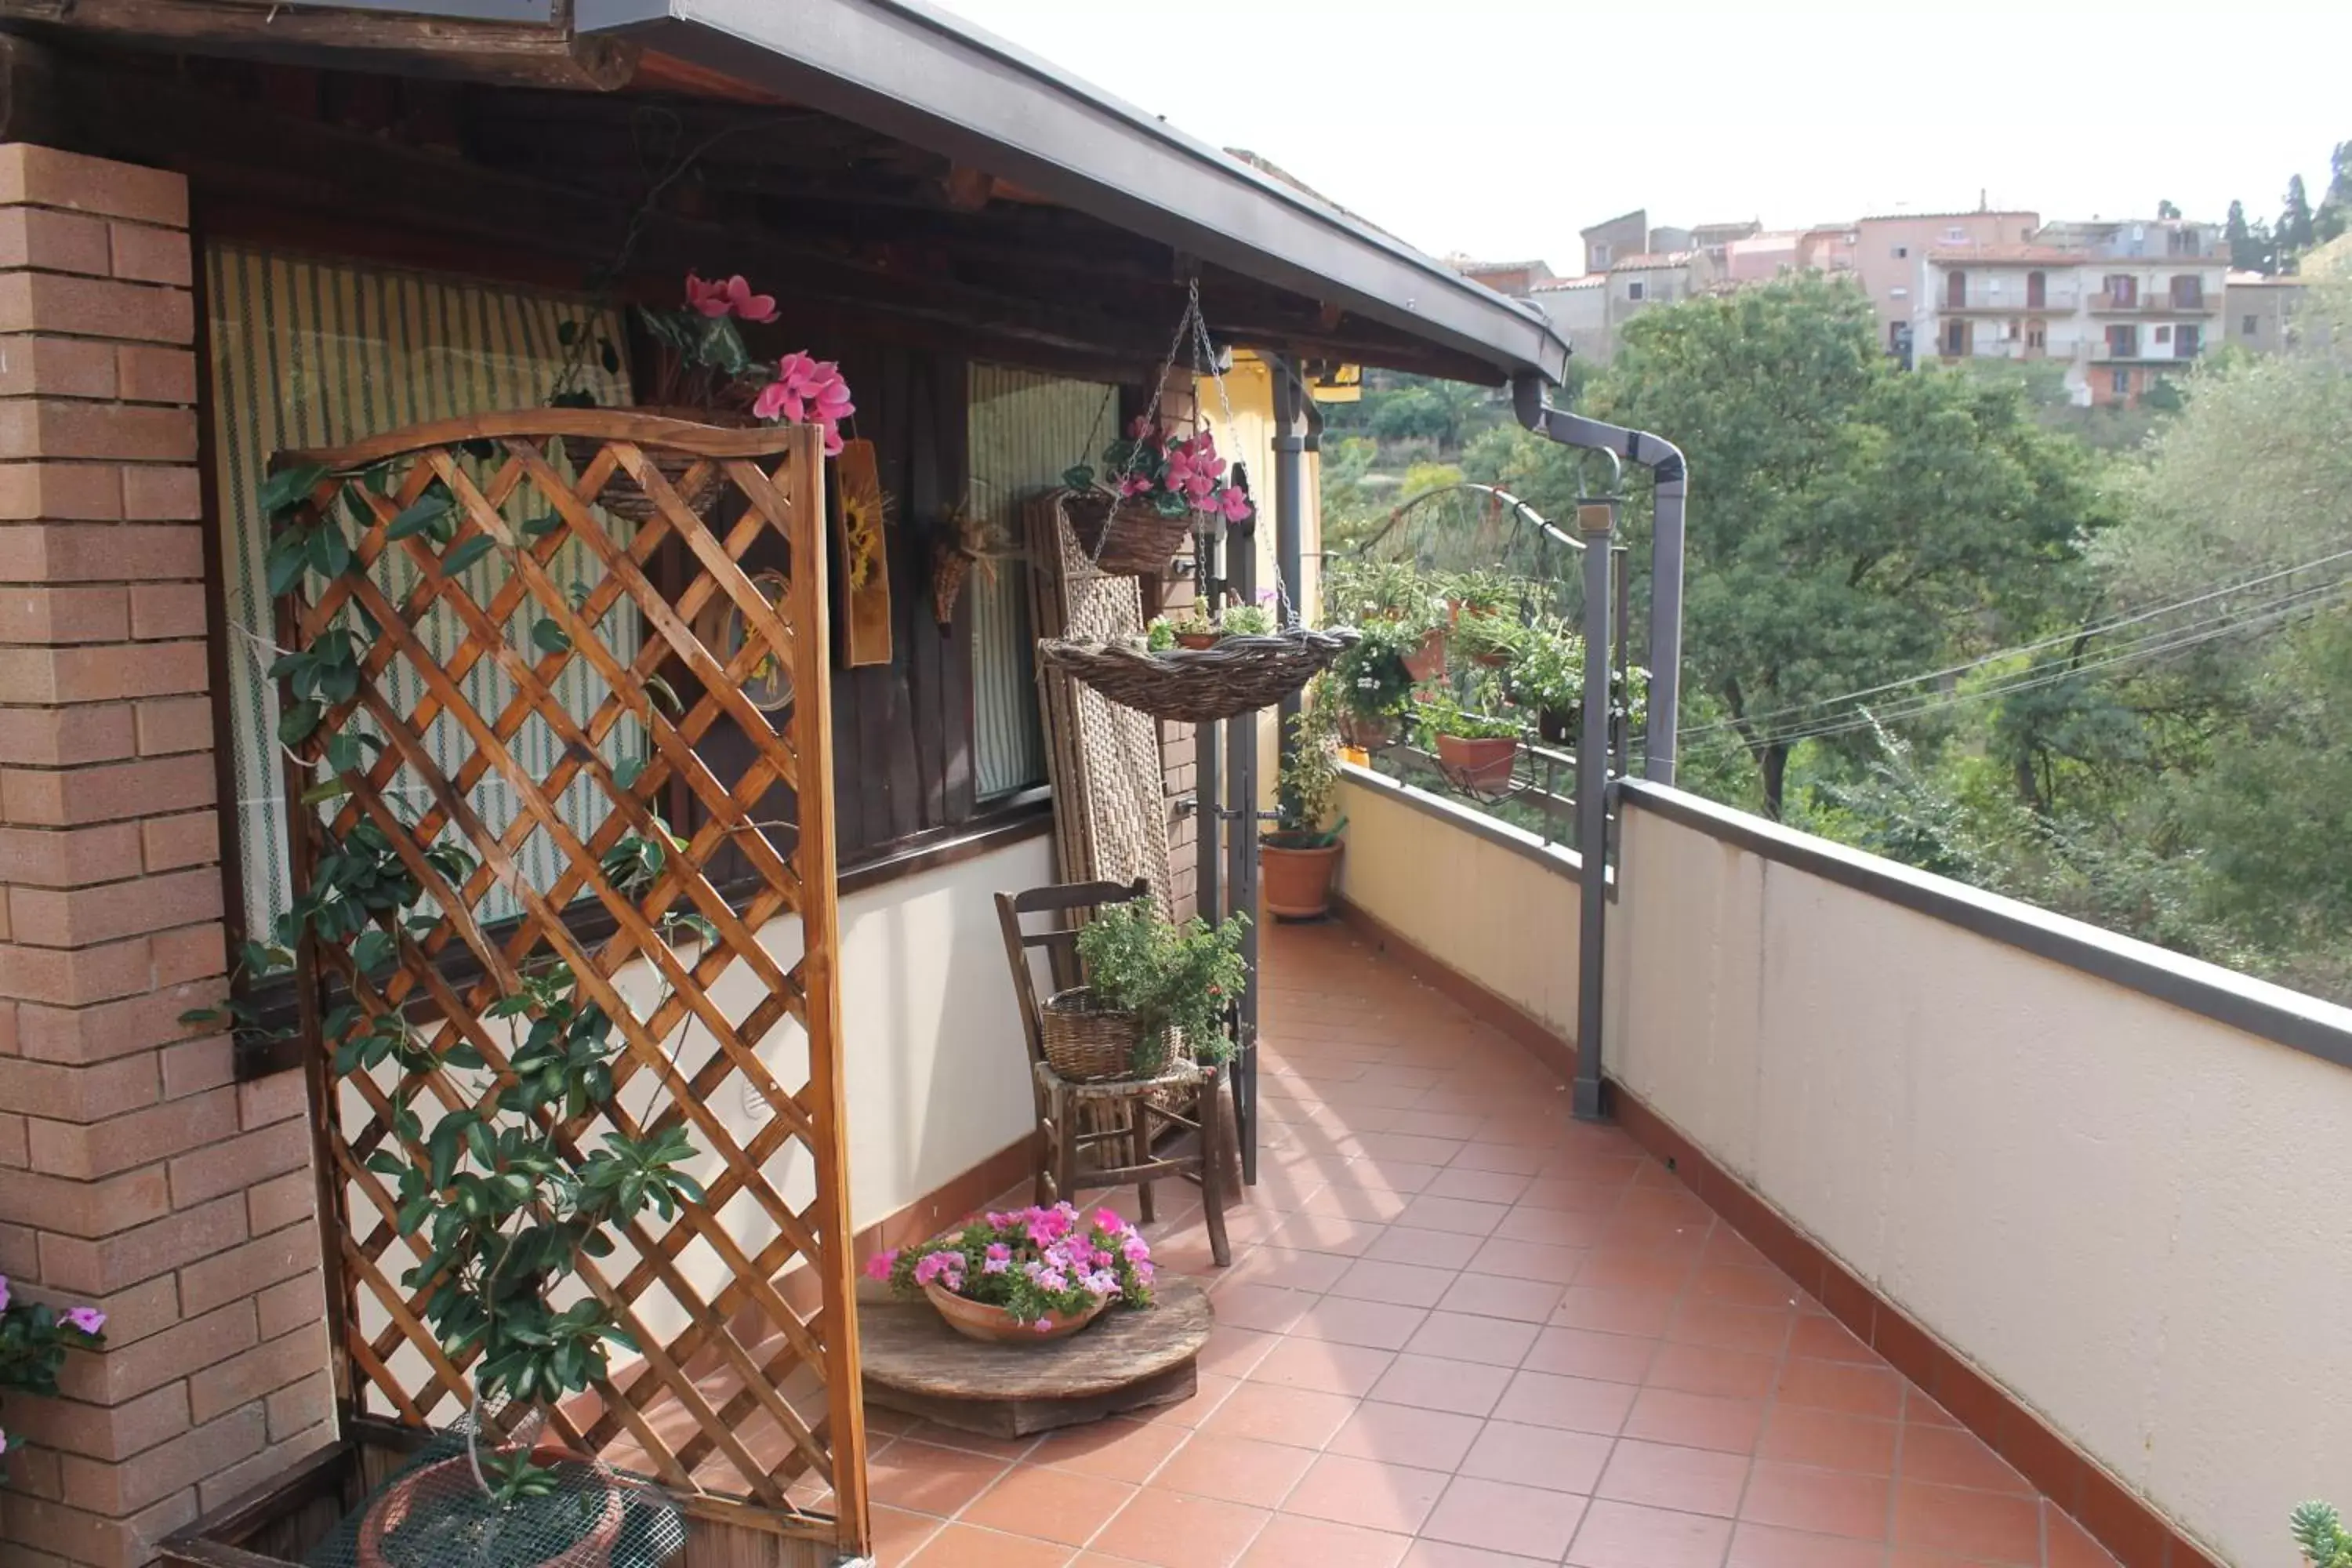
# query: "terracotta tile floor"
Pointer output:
{"type": "Point", "coordinates": [1462, 1330]}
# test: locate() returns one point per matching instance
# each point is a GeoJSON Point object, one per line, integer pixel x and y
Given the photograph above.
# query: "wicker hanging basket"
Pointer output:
{"type": "Point", "coordinates": [1235, 676]}
{"type": "Point", "coordinates": [1087, 1043]}
{"type": "Point", "coordinates": [624, 498]}
{"type": "Point", "coordinates": [1127, 538]}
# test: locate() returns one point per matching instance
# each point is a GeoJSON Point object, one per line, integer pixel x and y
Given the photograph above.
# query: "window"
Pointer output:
{"type": "Point", "coordinates": [2188, 292]}
{"type": "Point", "coordinates": [1898, 292]}
{"type": "Point", "coordinates": [2186, 341]}
{"type": "Point", "coordinates": [2123, 343]}
{"type": "Point", "coordinates": [1901, 251]}
{"type": "Point", "coordinates": [1633, 289]}
{"type": "Point", "coordinates": [2011, 329]}
{"type": "Point", "coordinates": [344, 350]}
{"type": "Point", "coordinates": [2164, 334]}
{"type": "Point", "coordinates": [2121, 288]}
{"type": "Point", "coordinates": [1018, 424]}
{"type": "Point", "coordinates": [2037, 335]}
{"type": "Point", "coordinates": [1955, 235]}
{"type": "Point", "coordinates": [2025, 235]}
{"type": "Point", "coordinates": [1599, 261]}
{"type": "Point", "coordinates": [2246, 327]}
{"type": "Point", "coordinates": [1956, 337]}
{"type": "Point", "coordinates": [2119, 382]}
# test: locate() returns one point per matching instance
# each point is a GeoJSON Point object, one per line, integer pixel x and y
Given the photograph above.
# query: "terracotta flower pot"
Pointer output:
{"type": "Point", "coordinates": [1427, 662]}
{"type": "Point", "coordinates": [422, 1489]}
{"type": "Point", "coordinates": [1482, 766]}
{"type": "Point", "coordinates": [1298, 882]}
{"type": "Point", "coordinates": [995, 1326]}
{"type": "Point", "coordinates": [1196, 639]}
{"type": "Point", "coordinates": [1367, 733]}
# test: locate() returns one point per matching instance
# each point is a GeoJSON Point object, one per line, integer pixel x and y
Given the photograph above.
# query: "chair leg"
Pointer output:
{"type": "Point", "coordinates": [1042, 1190]}
{"type": "Point", "coordinates": [1213, 1187]}
{"type": "Point", "coordinates": [1139, 1153]}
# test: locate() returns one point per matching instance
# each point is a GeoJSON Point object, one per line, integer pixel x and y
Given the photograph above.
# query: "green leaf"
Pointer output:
{"type": "Point", "coordinates": [286, 559]}
{"type": "Point", "coordinates": [324, 791]}
{"type": "Point", "coordinates": [550, 637]}
{"type": "Point", "coordinates": [286, 486]}
{"type": "Point", "coordinates": [297, 724]}
{"type": "Point", "coordinates": [664, 695]}
{"type": "Point", "coordinates": [374, 951]}
{"type": "Point", "coordinates": [460, 556]}
{"type": "Point", "coordinates": [540, 527]}
{"type": "Point", "coordinates": [417, 516]}
{"type": "Point", "coordinates": [1079, 477]}
{"type": "Point", "coordinates": [342, 751]}
{"type": "Point", "coordinates": [629, 771]}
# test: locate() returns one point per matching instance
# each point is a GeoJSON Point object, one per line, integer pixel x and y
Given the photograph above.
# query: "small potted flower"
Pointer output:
{"type": "Point", "coordinates": [1301, 857]}
{"type": "Point", "coordinates": [1246, 620]}
{"type": "Point", "coordinates": [707, 375]}
{"type": "Point", "coordinates": [33, 1340]}
{"type": "Point", "coordinates": [1190, 629]}
{"type": "Point", "coordinates": [1027, 1277]}
{"type": "Point", "coordinates": [1157, 488]}
{"type": "Point", "coordinates": [1392, 592]}
{"type": "Point", "coordinates": [1373, 683]}
{"type": "Point", "coordinates": [1475, 751]}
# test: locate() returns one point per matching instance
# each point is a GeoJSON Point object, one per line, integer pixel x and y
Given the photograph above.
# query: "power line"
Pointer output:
{"type": "Point", "coordinates": [2000, 655]}
{"type": "Point", "coordinates": [2172, 640]}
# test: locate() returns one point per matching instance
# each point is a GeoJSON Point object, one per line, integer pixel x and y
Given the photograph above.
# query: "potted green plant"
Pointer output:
{"type": "Point", "coordinates": [1475, 750]}
{"type": "Point", "coordinates": [1483, 592]}
{"type": "Point", "coordinates": [1151, 985]}
{"type": "Point", "coordinates": [1548, 680]}
{"type": "Point", "coordinates": [2319, 1531]}
{"type": "Point", "coordinates": [1394, 593]}
{"type": "Point", "coordinates": [1372, 683]}
{"type": "Point", "coordinates": [1301, 856]}
{"type": "Point", "coordinates": [1190, 628]}
{"type": "Point", "coordinates": [1024, 1277]}
{"type": "Point", "coordinates": [1489, 638]}
{"type": "Point", "coordinates": [1247, 621]}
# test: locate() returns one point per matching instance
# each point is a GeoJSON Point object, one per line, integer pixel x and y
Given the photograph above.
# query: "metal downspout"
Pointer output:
{"type": "Point", "coordinates": [1665, 461]}
{"type": "Point", "coordinates": [1298, 431]}
{"type": "Point", "coordinates": [1241, 856]}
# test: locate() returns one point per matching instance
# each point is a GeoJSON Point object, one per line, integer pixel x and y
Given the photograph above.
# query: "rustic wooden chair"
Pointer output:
{"type": "Point", "coordinates": [1101, 1134]}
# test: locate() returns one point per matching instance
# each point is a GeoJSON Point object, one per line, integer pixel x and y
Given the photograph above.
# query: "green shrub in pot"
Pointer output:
{"type": "Point", "coordinates": [1175, 980]}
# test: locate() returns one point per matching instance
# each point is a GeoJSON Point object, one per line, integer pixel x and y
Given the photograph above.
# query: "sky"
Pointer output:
{"type": "Point", "coordinates": [1499, 128]}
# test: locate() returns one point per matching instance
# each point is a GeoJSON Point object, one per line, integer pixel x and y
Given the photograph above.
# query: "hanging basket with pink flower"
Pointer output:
{"type": "Point", "coordinates": [1024, 1277]}
{"type": "Point", "coordinates": [1161, 486]}
{"type": "Point", "coordinates": [706, 376]}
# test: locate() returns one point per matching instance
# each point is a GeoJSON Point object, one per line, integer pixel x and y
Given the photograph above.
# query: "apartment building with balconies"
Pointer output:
{"type": "Point", "coordinates": [2122, 304]}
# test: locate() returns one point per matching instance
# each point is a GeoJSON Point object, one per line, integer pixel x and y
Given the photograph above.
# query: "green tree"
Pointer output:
{"type": "Point", "coordinates": [1853, 524]}
{"type": "Point", "coordinates": [2335, 214]}
{"type": "Point", "coordinates": [2294, 232]}
{"type": "Point", "coordinates": [2251, 250]}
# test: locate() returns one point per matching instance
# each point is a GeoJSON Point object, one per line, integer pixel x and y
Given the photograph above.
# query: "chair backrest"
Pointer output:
{"type": "Point", "coordinates": [1061, 942]}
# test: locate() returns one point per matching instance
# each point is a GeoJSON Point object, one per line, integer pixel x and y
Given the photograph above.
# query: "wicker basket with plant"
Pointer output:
{"type": "Point", "coordinates": [1153, 989]}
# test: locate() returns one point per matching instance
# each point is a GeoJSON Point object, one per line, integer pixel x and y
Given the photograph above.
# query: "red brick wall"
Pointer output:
{"type": "Point", "coordinates": [134, 1173]}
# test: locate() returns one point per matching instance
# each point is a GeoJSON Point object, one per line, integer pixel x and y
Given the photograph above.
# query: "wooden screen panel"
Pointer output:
{"type": "Point", "coordinates": [737, 1400]}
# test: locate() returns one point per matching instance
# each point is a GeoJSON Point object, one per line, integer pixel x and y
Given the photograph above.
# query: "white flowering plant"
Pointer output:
{"type": "Point", "coordinates": [1031, 1262]}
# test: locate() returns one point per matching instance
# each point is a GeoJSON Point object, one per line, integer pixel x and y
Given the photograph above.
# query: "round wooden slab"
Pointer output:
{"type": "Point", "coordinates": [913, 1361]}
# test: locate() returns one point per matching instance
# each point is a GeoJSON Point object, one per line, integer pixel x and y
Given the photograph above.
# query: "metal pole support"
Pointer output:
{"type": "Point", "coordinates": [1596, 520]}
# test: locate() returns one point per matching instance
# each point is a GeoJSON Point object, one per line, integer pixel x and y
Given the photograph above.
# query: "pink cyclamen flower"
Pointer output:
{"type": "Point", "coordinates": [1235, 504]}
{"type": "Point", "coordinates": [1138, 428]}
{"type": "Point", "coordinates": [711, 298]}
{"type": "Point", "coordinates": [88, 1320]}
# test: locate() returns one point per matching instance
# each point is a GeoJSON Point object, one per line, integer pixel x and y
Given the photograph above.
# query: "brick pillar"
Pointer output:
{"type": "Point", "coordinates": [134, 1173]}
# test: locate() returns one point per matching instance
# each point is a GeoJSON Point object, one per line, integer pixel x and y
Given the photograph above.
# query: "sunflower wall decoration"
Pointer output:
{"type": "Point", "coordinates": [864, 528]}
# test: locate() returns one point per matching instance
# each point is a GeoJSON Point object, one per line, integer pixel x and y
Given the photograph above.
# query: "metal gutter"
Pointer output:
{"type": "Point", "coordinates": [908, 70]}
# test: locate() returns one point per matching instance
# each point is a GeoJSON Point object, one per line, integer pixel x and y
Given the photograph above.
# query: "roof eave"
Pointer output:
{"type": "Point", "coordinates": [909, 71]}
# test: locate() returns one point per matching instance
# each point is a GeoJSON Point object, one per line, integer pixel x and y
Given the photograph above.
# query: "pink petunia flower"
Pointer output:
{"type": "Point", "coordinates": [879, 1267]}
{"type": "Point", "coordinates": [88, 1320]}
{"type": "Point", "coordinates": [3, 1292]}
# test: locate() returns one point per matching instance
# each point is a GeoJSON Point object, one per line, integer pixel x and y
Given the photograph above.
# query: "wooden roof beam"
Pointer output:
{"type": "Point", "coordinates": [550, 57]}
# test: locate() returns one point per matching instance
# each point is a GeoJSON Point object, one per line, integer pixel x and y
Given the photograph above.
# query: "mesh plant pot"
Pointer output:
{"type": "Point", "coordinates": [1479, 764]}
{"type": "Point", "coordinates": [1127, 538]}
{"type": "Point", "coordinates": [1089, 1043]}
{"type": "Point", "coordinates": [438, 1515]}
{"type": "Point", "coordinates": [624, 496]}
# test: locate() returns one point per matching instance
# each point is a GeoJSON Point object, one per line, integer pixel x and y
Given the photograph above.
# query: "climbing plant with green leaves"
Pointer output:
{"type": "Point", "coordinates": [496, 1189]}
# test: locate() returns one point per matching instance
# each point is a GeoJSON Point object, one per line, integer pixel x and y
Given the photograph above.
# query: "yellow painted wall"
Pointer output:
{"type": "Point", "coordinates": [1490, 912]}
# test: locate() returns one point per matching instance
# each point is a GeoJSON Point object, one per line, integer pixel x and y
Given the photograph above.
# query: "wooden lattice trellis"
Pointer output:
{"type": "Point", "coordinates": [743, 1397]}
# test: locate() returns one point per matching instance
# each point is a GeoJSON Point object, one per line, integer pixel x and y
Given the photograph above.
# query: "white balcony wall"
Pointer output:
{"type": "Point", "coordinates": [2134, 1216]}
